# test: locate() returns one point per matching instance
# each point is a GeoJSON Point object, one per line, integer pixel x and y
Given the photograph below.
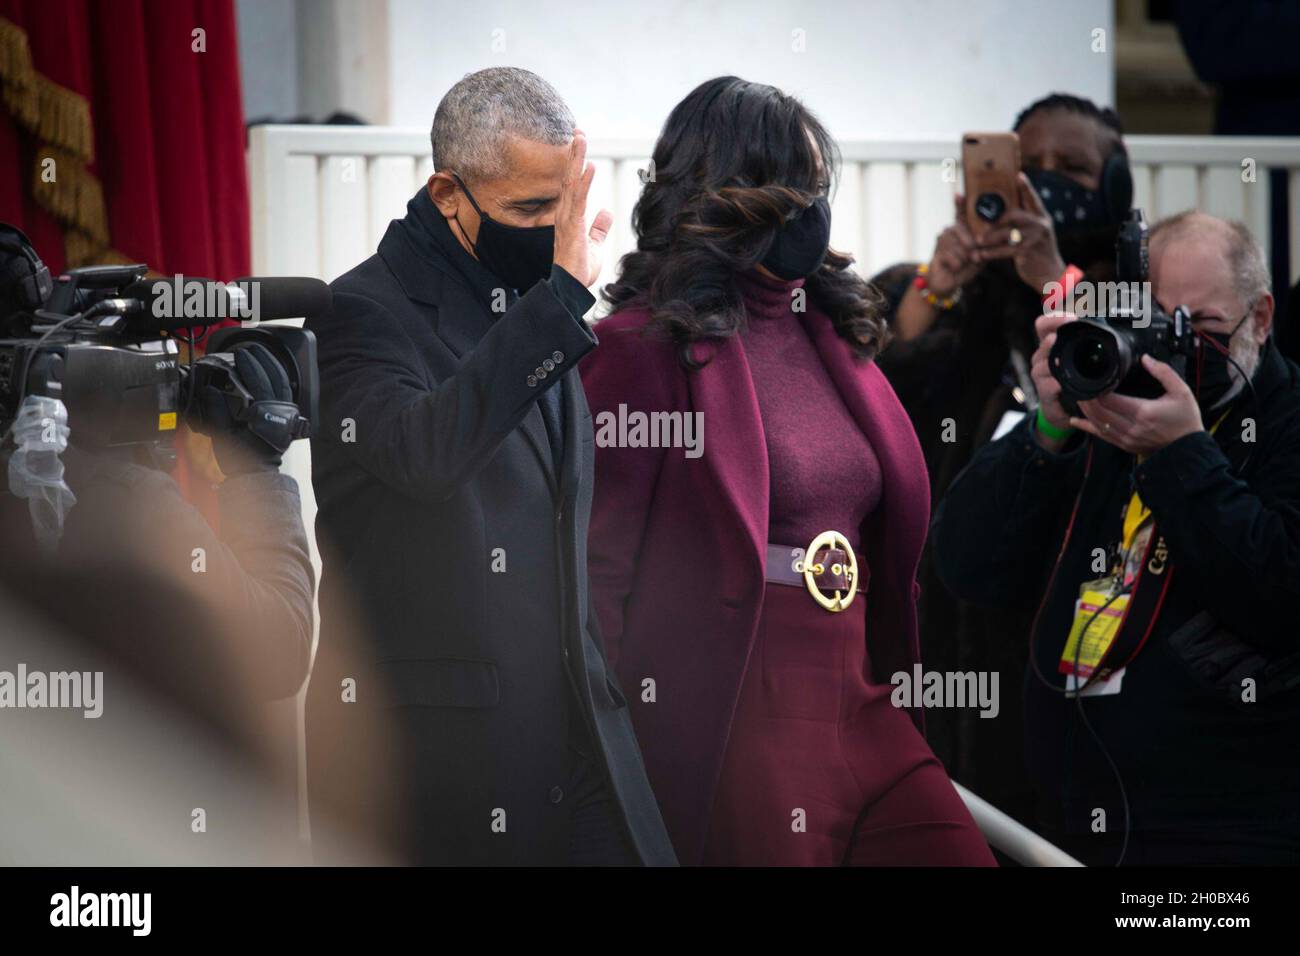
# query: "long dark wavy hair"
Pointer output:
{"type": "Point", "coordinates": [734, 161]}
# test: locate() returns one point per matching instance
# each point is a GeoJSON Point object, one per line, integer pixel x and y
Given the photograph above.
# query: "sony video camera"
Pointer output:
{"type": "Point", "coordinates": [1102, 353]}
{"type": "Point", "coordinates": [105, 341]}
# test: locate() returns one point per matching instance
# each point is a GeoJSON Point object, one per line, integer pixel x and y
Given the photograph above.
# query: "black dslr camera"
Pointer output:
{"type": "Point", "coordinates": [105, 341]}
{"type": "Point", "coordinates": [1099, 354]}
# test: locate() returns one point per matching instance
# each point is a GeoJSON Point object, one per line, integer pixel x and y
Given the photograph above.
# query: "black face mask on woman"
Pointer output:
{"type": "Point", "coordinates": [1086, 221]}
{"type": "Point", "coordinates": [800, 245]}
{"type": "Point", "coordinates": [519, 256]}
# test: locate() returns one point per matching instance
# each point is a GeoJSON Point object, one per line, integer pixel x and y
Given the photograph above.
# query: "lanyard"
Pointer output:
{"type": "Point", "coordinates": [1135, 516]}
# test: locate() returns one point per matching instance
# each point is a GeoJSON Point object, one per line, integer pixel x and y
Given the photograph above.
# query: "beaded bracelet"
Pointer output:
{"type": "Point", "coordinates": [943, 303]}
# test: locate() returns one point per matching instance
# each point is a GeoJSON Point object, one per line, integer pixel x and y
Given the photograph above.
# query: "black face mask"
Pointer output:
{"type": "Point", "coordinates": [1211, 373]}
{"type": "Point", "coordinates": [1071, 205]}
{"type": "Point", "coordinates": [520, 256]}
{"type": "Point", "coordinates": [1084, 222]}
{"type": "Point", "coordinates": [799, 247]}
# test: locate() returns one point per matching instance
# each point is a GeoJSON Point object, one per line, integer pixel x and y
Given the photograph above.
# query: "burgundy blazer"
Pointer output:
{"type": "Point", "coordinates": [677, 545]}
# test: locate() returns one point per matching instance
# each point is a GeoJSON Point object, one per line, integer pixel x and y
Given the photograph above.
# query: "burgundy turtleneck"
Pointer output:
{"type": "Point", "coordinates": [824, 474]}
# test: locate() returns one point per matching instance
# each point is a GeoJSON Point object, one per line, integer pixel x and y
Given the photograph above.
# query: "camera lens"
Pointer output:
{"type": "Point", "coordinates": [1088, 359]}
{"type": "Point", "coordinates": [1091, 360]}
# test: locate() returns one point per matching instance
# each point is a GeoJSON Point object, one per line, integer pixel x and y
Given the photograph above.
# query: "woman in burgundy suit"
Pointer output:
{"type": "Point", "coordinates": [760, 689]}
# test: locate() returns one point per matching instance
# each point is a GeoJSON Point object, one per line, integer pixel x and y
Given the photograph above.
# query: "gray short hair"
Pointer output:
{"type": "Point", "coordinates": [1246, 262]}
{"type": "Point", "coordinates": [485, 110]}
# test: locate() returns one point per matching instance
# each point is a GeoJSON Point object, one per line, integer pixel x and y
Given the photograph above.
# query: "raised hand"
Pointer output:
{"type": "Point", "coordinates": [1142, 426]}
{"type": "Point", "coordinates": [953, 263]}
{"type": "Point", "coordinates": [579, 250]}
{"type": "Point", "coordinates": [1036, 257]}
{"type": "Point", "coordinates": [1045, 383]}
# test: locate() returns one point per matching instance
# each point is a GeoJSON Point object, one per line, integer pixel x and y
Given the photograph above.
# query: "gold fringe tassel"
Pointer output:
{"type": "Point", "coordinates": [59, 119]}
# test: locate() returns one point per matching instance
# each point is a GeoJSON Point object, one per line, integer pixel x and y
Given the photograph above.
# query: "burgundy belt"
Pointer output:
{"type": "Point", "coordinates": [785, 565]}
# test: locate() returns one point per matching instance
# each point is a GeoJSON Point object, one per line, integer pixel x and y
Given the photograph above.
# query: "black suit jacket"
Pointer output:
{"type": "Point", "coordinates": [461, 550]}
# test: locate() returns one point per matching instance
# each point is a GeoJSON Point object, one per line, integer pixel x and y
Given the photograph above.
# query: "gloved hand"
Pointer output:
{"type": "Point", "coordinates": [238, 449]}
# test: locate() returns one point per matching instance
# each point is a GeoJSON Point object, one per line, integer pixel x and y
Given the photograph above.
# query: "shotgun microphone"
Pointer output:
{"type": "Point", "coordinates": [289, 297]}
{"type": "Point", "coordinates": [183, 303]}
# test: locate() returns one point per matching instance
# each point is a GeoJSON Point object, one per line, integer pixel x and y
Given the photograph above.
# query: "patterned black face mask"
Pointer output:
{"type": "Point", "coordinates": [1086, 221]}
{"type": "Point", "coordinates": [1072, 207]}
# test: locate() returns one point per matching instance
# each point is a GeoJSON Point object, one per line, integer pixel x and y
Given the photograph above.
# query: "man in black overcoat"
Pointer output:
{"type": "Point", "coordinates": [460, 710]}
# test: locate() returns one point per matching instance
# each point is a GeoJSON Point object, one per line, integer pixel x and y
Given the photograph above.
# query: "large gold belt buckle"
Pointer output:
{"type": "Point", "coordinates": [841, 600]}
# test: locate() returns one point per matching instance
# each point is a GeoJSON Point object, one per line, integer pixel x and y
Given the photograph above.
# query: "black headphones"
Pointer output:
{"type": "Point", "coordinates": [1117, 184]}
{"type": "Point", "coordinates": [25, 281]}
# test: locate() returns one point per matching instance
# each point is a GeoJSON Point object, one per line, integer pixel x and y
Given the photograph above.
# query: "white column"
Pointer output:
{"type": "Point", "coordinates": [343, 58]}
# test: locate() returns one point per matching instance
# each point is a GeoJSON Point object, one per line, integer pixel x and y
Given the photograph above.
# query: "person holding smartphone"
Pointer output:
{"type": "Point", "coordinates": [963, 327]}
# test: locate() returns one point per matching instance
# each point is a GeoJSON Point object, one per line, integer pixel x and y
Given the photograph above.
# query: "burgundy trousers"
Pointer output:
{"type": "Point", "coordinates": [821, 769]}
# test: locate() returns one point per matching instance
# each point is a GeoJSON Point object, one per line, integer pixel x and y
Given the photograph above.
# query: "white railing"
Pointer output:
{"type": "Point", "coordinates": [1011, 837]}
{"type": "Point", "coordinates": [322, 196]}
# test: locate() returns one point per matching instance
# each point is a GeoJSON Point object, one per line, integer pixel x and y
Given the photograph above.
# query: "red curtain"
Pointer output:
{"type": "Point", "coordinates": [168, 128]}
{"type": "Point", "coordinates": [159, 177]}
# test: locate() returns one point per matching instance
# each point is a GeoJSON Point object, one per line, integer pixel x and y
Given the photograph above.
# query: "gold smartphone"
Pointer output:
{"type": "Point", "coordinates": [991, 168]}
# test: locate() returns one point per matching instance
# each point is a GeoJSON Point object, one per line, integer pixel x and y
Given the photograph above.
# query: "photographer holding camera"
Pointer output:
{"type": "Point", "coordinates": [1159, 539]}
{"type": "Point", "coordinates": [100, 543]}
{"type": "Point", "coordinates": [255, 576]}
